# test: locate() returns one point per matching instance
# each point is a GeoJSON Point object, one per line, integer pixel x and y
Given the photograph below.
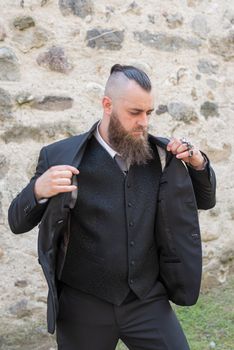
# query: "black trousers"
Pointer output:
{"type": "Point", "coordinates": [88, 323]}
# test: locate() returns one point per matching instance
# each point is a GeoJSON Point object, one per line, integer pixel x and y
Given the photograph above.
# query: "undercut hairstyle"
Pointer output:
{"type": "Point", "coordinates": [133, 73]}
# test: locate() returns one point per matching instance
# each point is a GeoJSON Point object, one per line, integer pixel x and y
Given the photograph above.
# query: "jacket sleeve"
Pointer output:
{"type": "Point", "coordinates": [25, 212]}
{"type": "Point", "coordinates": [204, 185]}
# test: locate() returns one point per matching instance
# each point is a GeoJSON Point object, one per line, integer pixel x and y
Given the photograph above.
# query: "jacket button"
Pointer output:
{"type": "Point", "coordinates": [132, 243]}
{"type": "Point", "coordinates": [131, 223]}
{"type": "Point", "coordinates": [60, 221]}
{"type": "Point", "coordinates": [132, 262]}
{"type": "Point", "coordinates": [27, 208]}
{"type": "Point", "coordinates": [128, 185]}
{"type": "Point", "coordinates": [129, 204]}
{"type": "Point", "coordinates": [131, 281]}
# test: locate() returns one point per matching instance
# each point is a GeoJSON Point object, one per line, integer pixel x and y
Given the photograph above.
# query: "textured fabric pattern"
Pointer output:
{"type": "Point", "coordinates": [111, 248]}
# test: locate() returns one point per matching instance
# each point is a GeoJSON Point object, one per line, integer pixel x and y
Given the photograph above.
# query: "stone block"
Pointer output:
{"type": "Point", "coordinates": [52, 103]}
{"type": "Point", "coordinates": [2, 33]}
{"type": "Point", "coordinates": [182, 112]}
{"type": "Point", "coordinates": [109, 39]}
{"type": "Point", "coordinates": [161, 109]}
{"type": "Point", "coordinates": [174, 20]}
{"type": "Point", "coordinates": [166, 42]}
{"type": "Point", "coordinates": [24, 97]}
{"type": "Point", "coordinates": [9, 65]}
{"type": "Point", "coordinates": [209, 109]}
{"type": "Point", "coordinates": [20, 309]}
{"type": "Point", "coordinates": [55, 60]}
{"type": "Point", "coordinates": [4, 165]}
{"type": "Point", "coordinates": [23, 22]}
{"type": "Point", "coordinates": [5, 105]}
{"type": "Point", "coordinates": [207, 67]}
{"type": "Point", "coordinates": [80, 8]}
{"type": "Point", "coordinates": [223, 46]}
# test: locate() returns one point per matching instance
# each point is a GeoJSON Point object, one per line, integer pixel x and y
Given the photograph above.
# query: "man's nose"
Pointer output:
{"type": "Point", "coordinates": [143, 121]}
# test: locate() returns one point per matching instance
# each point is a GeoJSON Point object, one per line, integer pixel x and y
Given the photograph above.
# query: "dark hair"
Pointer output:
{"type": "Point", "coordinates": [133, 73]}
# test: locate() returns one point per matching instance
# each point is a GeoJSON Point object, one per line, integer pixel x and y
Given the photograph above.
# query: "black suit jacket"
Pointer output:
{"type": "Point", "coordinates": [182, 191]}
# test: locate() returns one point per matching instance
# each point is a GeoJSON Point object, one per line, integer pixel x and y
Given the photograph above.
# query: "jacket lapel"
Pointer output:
{"type": "Point", "coordinates": [81, 146]}
{"type": "Point", "coordinates": [161, 143]}
{"type": "Point", "coordinates": [69, 198]}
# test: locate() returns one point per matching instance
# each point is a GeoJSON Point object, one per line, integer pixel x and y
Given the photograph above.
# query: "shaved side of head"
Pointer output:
{"type": "Point", "coordinates": [119, 79]}
{"type": "Point", "coordinates": [116, 85]}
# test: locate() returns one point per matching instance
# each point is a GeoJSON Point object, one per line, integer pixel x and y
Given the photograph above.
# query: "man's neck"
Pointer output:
{"type": "Point", "coordinates": [103, 131]}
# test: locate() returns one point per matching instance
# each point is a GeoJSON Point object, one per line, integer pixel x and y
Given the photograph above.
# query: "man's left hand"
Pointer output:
{"type": "Point", "coordinates": [186, 152]}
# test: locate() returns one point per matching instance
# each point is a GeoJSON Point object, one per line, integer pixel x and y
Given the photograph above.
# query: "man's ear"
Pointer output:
{"type": "Point", "coordinates": [107, 105]}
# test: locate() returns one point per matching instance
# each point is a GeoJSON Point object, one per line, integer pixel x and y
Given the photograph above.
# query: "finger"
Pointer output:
{"type": "Point", "coordinates": [170, 143]}
{"type": "Point", "coordinates": [185, 154]}
{"type": "Point", "coordinates": [182, 148]}
{"type": "Point", "coordinates": [62, 174]}
{"type": "Point", "coordinates": [65, 167]}
{"type": "Point", "coordinates": [61, 182]}
{"type": "Point", "coordinates": [176, 143]}
{"type": "Point", "coordinates": [61, 189]}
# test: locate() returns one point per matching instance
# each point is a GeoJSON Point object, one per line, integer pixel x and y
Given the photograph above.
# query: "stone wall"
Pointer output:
{"type": "Point", "coordinates": [55, 56]}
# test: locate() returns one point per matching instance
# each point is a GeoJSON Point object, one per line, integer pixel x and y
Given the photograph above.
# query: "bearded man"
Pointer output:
{"type": "Point", "coordinates": [119, 234]}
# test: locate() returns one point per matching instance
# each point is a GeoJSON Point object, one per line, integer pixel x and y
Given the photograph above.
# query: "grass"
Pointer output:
{"type": "Point", "coordinates": [211, 320]}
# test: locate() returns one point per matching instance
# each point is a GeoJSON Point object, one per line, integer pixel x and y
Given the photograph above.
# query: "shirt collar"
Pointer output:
{"type": "Point", "coordinates": [99, 138]}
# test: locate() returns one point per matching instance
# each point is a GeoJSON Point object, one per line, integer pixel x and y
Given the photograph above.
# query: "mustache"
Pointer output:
{"type": "Point", "coordinates": [140, 129]}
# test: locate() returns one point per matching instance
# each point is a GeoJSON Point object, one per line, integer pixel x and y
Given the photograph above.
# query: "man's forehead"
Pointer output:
{"type": "Point", "coordinates": [137, 99]}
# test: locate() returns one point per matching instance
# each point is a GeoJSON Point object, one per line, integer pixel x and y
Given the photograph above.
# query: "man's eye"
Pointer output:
{"type": "Point", "coordinates": [135, 113]}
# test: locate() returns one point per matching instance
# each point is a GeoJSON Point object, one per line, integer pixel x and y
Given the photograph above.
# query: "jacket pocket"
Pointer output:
{"type": "Point", "coordinates": [172, 276]}
{"type": "Point", "coordinates": [168, 259]}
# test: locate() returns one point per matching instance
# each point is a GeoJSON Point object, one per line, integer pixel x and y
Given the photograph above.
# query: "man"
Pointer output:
{"type": "Point", "coordinates": [119, 232]}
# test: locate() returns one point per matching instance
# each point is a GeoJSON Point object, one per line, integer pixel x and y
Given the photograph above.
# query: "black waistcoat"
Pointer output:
{"type": "Point", "coordinates": [111, 248]}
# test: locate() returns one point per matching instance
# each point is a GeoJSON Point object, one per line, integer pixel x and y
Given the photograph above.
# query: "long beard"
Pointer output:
{"type": "Point", "coordinates": [132, 149]}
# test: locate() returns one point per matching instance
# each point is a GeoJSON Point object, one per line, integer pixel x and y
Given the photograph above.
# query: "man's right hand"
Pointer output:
{"type": "Point", "coordinates": [56, 179]}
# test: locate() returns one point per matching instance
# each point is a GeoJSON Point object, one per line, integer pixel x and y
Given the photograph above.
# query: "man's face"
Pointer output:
{"type": "Point", "coordinates": [133, 110]}
{"type": "Point", "coordinates": [128, 125]}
